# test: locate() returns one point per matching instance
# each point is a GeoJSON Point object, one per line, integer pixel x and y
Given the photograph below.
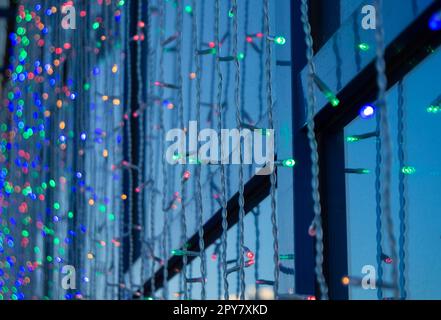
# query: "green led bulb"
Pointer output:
{"type": "Point", "coordinates": [280, 40]}
{"type": "Point", "coordinates": [333, 100]}
{"type": "Point", "coordinates": [408, 170]}
{"type": "Point", "coordinates": [364, 46]}
{"type": "Point", "coordinates": [352, 139]}
{"type": "Point", "coordinates": [177, 252]}
{"type": "Point", "coordinates": [289, 163]}
{"type": "Point", "coordinates": [433, 109]}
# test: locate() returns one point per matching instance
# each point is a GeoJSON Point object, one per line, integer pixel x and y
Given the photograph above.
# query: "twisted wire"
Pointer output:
{"type": "Point", "coordinates": [238, 122]}
{"type": "Point", "coordinates": [162, 13]}
{"type": "Point", "coordinates": [179, 27]}
{"type": "Point", "coordinates": [269, 94]}
{"type": "Point", "coordinates": [151, 74]}
{"type": "Point", "coordinates": [121, 216]}
{"type": "Point", "coordinates": [402, 192]}
{"type": "Point", "coordinates": [227, 46]}
{"type": "Point", "coordinates": [140, 176]}
{"type": "Point", "coordinates": [129, 147]}
{"type": "Point", "coordinates": [242, 108]}
{"type": "Point", "coordinates": [222, 166]}
{"type": "Point", "coordinates": [190, 95]}
{"type": "Point", "coordinates": [203, 265]}
{"type": "Point", "coordinates": [386, 142]}
{"type": "Point", "coordinates": [311, 105]}
{"type": "Point", "coordinates": [261, 102]}
{"type": "Point", "coordinates": [378, 212]}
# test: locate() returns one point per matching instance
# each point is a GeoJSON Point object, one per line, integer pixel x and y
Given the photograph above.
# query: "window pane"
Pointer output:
{"type": "Point", "coordinates": [421, 172]}
{"type": "Point", "coordinates": [258, 239]}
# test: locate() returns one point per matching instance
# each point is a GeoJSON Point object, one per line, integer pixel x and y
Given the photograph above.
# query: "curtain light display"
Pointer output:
{"type": "Point", "coordinates": [94, 206]}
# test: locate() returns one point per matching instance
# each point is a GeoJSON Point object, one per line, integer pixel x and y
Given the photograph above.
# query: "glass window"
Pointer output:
{"type": "Point", "coordinates": [347, 7]}
{"type": "Point", "coordinates": [420, 174]}
{"type": "Point", "coordinates": [259, 240]}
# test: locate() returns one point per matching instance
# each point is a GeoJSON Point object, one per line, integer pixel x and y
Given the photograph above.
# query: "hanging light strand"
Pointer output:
{"type": "Point", "coordinates": [129, 151]}
{"type": "Point", "coordinates": [269, 96]}
{"type": "Point", "coordinates": [386, 143]}
{"type": "Point", "coordinates": [238, 122]}
{"type": "Point", "coordinates": [165, 231]}
{"type": "Point", "coordinates": [179, 28]}
{"type": "Point", "coordinates": [197, 61]}
{"type": "Point", "coordinates": [222, 166]}
{"type": "Point", "coordinates": [311, 106]}
{"type": "Point", "coordinates": [402, 191]}
{"type": "Point", "coordinates": [140, 174]}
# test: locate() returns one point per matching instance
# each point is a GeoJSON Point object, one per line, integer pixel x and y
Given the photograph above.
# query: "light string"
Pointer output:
{"type": "Point", "coordinates": [179, 28]}
{"type": "Point", "coordinates": [269, 94]}
{"type": "Point", "coordinates": [199, 205]}
{"type": "Point", "coordinates": [311, 107]}
{"type": "Point", "coordinates": [257, 210]}
{"type": "Point", "coordinates": [140, 174]}
{"type": "Point", "coordinates": [402, 191]}
{"type": "Point", "coordinates": [150, 159]}
{"type": "Point", "coordinates": [222, 166]}
{"type": "Point", "coordinates": [243, 112]}
{"type": "Point", "coordinates": [165, 230]}
{"type": "Point", "coordinates": [238, 122]}
{"type": "Point", "coordinates": [129, 149]}
{"type": "Point", "coordinates": [225, 172]}
{"type": "Point", "coordinates": [378, 211]}
{"type": "Point", "coordinates": [386, 142]}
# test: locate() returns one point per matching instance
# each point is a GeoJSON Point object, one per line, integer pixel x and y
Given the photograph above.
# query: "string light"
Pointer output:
{"type": "Point", "coordinates": [435, 21]}
{"type": "Point", "coordinates": [367, 111]}
{"type": "Point", "coordinates": [181, 253]}
{"type": "Point", "coordinates": [386, 258]}
{"type": "Point", "coordinates": [360, 137]}
{"type": "Point", "coordinates": [330, 96]}
{"type": "Point", "coordinates": [287, 163]}
{"type": "Point", "coordinates": [408, 170]}
{"type": "Point", "coordinates": [364, 47]}
{"type": "Point", "coordinates": [237, 268]}
{"type": "Point", "coordinates": [278, 40]}
{"type": "Point", "coordinates": [286, 257]}
{"type": "Point", "coordinates": [357, 171]}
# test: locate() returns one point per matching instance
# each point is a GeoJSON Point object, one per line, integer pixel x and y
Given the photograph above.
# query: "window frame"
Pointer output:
{"type": "Point", "coordinates": [410, 45]}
